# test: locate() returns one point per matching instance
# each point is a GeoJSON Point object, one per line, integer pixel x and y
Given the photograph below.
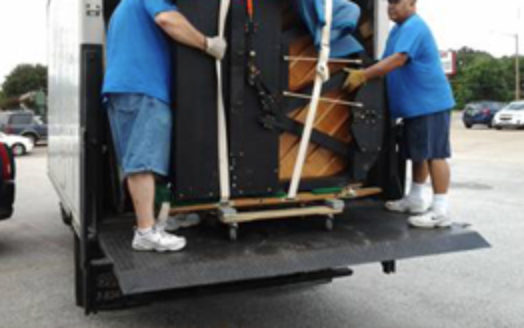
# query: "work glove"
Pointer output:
{"type": "Point", "coordinates": [216, 47]}
{"type": "Point", "coordinates": [355, 79]}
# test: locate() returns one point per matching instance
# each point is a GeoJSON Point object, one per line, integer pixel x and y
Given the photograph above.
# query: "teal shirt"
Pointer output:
{"type": "Point", "coordinates": [138, 51]}
{"type": "Point", "coordinates": [420, 87]}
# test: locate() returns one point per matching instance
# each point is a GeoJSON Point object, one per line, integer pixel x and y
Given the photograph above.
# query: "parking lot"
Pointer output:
{"type": "Point", "coordinates": [475, 289]}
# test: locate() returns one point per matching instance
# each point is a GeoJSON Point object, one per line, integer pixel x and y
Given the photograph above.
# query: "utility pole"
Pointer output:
{"type": "Point", "coordinates": [517, 61]}
{"type": "Point", "coordinates": [517, 68]}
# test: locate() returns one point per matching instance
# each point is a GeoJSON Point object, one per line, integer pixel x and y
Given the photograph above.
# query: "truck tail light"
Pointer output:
{"type": "Point", "coordinates": [6, 167]}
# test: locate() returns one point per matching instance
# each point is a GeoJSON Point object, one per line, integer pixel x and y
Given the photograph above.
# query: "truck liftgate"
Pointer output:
{"type": "Point", "coordinates": [266, 98]}
{"type": "Point", "coordinates": [278, 251]}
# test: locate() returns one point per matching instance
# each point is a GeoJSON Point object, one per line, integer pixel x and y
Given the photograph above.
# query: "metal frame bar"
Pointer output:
{"type": "Point", "coordinates": [328, 100]}
{"type": "Point", "coordinates": [330, 61]}
{"type": "Point", "coordinates": [336, 81]}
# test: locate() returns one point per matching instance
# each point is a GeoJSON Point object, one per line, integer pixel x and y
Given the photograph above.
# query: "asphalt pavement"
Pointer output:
{"type": "Point", "coordinates": [482, 288]}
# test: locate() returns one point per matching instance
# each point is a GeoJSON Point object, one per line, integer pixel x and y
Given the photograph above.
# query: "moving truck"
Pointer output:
{"type": "Point", "coordinates": [255, 232]}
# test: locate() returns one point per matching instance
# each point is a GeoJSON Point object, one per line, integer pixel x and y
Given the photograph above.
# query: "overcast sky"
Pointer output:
{"type": "Point", "coordinates": [455, 23]}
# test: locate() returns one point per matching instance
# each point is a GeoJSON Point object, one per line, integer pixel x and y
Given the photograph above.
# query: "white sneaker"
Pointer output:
{"type": "Point", "coordinates": [430, 220]}
{"type": "Point", "coordinates": [159, 241]}
{"type": "Point", "coordinates": [407, 205]}
{"type": "Point", "coordinates": [181, 220]}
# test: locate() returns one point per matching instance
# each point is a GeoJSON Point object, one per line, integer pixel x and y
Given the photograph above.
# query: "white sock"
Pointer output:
{"type": "Point", "coordinates": [144, 232]}
{"type": "Point", "coordinates": [440, 203]}
{"type": "Point", "coordinates": [417, 191]}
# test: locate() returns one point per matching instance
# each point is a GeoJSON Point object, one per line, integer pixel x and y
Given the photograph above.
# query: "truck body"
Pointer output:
{"type": "Point", "coordinates": [353, 163]}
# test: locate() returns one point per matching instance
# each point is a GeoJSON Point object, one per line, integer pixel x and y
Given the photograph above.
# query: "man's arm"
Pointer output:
{"type": "Point", "coordinates": [180, 29]}
{"type": "Point", "coordinates": [356, 78]}
{"type": "Point", "coordinates": [385, 66]}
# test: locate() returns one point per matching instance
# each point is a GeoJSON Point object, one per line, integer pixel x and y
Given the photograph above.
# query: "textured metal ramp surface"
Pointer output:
{"type": "Point", "coordinates": [363, 234]}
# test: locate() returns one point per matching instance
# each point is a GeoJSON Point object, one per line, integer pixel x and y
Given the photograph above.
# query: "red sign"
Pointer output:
{"type": "Point", "coordinates": [449, 62]}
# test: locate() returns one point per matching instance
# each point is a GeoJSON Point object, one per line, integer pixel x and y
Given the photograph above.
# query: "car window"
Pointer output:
{"type": "Point", "coordinates": [472, 109]}
{"type": "Point", "coordinates": [516, 106]}
{"type": "Point", "coordinates": [3, 118]}
{"type": "Point", "coordinates": [38, 120]}
{"type": "Point", "coordinates": [21, 119]}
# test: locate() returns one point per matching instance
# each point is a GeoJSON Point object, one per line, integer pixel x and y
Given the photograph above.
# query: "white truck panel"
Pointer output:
{"type": "Point", "coordinates": [72, 23]}
{"type": "Point", "coordinates": [382, 27]}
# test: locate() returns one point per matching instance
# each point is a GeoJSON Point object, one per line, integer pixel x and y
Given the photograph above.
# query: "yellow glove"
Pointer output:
{"type": "Point", "coordinates": [355, 79]}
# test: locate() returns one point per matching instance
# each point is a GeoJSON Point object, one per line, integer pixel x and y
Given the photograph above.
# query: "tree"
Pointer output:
{"type": "Point", "coordinates": [25, 78]}
{"type": "Point", "coordinates": [509, 66]}
{"type": "Point", "coordinates": [480, 76]}
{"type": "Point", "coordinates": [485, 79]}
{"type": "Point", "coordinates": [466, 56]}
{"type": "Point", "coordinates": [8, 103]}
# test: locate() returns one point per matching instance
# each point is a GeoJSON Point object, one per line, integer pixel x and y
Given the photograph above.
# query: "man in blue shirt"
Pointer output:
{"type": "Point", "coordinates": [137, 89]}
{"type": "Point", "coordinates": [419, 93]}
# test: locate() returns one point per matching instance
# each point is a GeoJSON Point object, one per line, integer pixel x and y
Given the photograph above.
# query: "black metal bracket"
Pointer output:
{"type": "Point", "coordinates": [389, 267]}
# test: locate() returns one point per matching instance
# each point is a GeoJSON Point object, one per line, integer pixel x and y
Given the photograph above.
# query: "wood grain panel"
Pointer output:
{"type": "Point", "coordinates": [332, 119]}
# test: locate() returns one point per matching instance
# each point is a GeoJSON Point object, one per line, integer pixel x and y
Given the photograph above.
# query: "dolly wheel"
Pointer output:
{"type": "Point", "coordinates": [233, 232]}
{"type": "Point", "coordinates": [330, 222]}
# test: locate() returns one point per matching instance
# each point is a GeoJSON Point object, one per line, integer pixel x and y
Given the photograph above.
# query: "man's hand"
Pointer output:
{"type": "Point", "coordinates": [216, 47]}
{"type": "Point", "coordinates": [356, 78]}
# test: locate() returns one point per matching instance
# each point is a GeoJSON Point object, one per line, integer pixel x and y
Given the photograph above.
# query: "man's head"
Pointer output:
{"type": "Point", "coordinates": [400, 10]}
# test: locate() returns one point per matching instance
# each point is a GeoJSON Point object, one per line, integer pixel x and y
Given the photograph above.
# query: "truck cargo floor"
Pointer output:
{"type": "Point", "coordinates": [365, 233]}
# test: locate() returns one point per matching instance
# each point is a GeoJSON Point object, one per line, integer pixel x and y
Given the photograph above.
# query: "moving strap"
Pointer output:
{"type": "Point", "coordinates": [223, 159]}
{"type": "Point", "coordinates": [321, 77]}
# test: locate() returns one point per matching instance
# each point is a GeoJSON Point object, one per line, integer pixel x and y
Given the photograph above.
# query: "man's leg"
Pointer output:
{"type": "Point", "coordinates": [440, 175]}
{"type": "Point", "coordinates": [420, 172]}
{"type": "Point", "coordinates": [440, 179]}
{"type": "Point", "coordinates": [413, 202]}
{"type": "Point", "coordinates": [141, 127]}
{"type": "Point", "coordinates": [142, 190]}
{"type": "Point", "coordinates": [438, 150]}
{"type": "Point", "coordinates": [147, 236]}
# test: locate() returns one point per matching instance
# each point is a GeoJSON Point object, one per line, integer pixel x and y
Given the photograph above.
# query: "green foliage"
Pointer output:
{"type": "Point", "coordinates": [8, 103]}
{"type": "Point", "coordinates": [480, 76]}
{"type": "Point", "coordinates": [25, 78]}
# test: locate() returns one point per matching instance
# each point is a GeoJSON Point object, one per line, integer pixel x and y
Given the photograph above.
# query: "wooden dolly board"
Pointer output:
{"type": "Point", "coordinates": [258, 209]}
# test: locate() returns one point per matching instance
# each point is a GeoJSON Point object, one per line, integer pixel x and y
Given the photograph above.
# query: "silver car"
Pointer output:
{"type": "Point", "coordinates": [510, 116]}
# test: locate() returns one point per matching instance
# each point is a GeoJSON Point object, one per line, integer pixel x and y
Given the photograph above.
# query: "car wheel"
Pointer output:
{"type": "Point", "coordinates": [31, 137]}
{"type": "Point", "coordinates": [18, 149]}
{"type": "Point", "coordinates": [498, 127]}
{"type": "Point", "coordinates": [468, 126]}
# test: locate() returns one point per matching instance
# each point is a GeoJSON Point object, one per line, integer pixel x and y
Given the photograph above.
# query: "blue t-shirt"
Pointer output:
{"type": "Point", "coordinates": [420, 87]}
{"type": "Point", "coordinates": [138, 51]}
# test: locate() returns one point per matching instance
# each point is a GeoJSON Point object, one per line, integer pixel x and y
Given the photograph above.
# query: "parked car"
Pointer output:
{"type": "Point", "coordinates": [24, 123]}
{"type": "Point", "coordinates": [7, 182]}
{"type": "Point", "coordinates": [481, 112]}
{"type": "Point", "coordinates": [19, 145]}
{"type": "Point", "coordinates": [510, 116]}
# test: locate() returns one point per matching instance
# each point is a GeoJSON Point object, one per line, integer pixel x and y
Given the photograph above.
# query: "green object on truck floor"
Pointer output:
{"type": "Point", "coordinates": [162, 194]}
{"type": "Point", "coordinates": [324, 191]}
{"type": "Point", "coordinates": [281, 194]}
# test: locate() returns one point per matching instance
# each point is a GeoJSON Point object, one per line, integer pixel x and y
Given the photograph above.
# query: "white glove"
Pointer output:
{"type": "Point", "coordinates": [216, 47]}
